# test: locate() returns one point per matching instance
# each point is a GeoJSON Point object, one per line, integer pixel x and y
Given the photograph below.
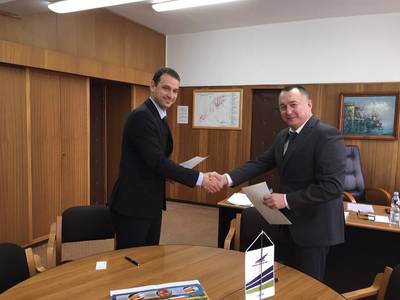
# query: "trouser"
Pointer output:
{"type": "Point", "coordinates": [136, 232]}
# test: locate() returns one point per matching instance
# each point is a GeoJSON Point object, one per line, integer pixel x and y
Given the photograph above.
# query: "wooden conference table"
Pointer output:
{"type": "Point", "coordinates": [221, 273]}
{"type": "Point", "coordinates": [228, 211]}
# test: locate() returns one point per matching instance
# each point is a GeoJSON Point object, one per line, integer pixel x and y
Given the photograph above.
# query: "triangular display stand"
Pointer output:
{"type": "Point", "coordinates": [259, 268]}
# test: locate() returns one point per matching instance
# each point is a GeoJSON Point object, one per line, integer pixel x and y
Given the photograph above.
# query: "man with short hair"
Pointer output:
{"type": "Point", "coordinates": [138, 196]}
{"type": "Point", "coordinates": [310, 158]}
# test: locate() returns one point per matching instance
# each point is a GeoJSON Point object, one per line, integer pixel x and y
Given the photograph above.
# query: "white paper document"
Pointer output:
{"type": "Point", "coordinates": [239, 199]}
{"type": "Point", "coordinates": [256, 193]}
{"type": "Point", "coordinates": [101, 265]}
{"type": "Point", "coordinates": [382, 219]}
{"type": "Point", "coordinates": [191, 163]}
{"type": "Point", "coordinates": [182, 114]}
{"type": "Point", "coordinates": [359, 207]}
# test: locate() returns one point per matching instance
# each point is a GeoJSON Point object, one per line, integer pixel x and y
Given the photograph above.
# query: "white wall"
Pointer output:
{"type": "Point", "coordinates": [349, 49]}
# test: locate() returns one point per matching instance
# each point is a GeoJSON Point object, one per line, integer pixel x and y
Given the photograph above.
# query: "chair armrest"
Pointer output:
{"type": "Point", "coordinates": [30, 261]}
{"type": "Point", "coordinates": [366, 292]}
{"type": "Point", "coordinates": [349, 197]}
{"type": "Point", "coordinates": [378, 196]}
{"type": "Point", "coordinates": [230, 235]}
{"type": "Point", "coordinates": [38, 264]}
{"type": "Point", "coordinates": [51, 245]}
{"type": "Point", "coordinates": [361, 293]}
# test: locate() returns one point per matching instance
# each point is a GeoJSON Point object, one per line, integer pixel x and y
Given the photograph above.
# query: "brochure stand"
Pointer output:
{"type": "Point", "coordinates": [259, 268]}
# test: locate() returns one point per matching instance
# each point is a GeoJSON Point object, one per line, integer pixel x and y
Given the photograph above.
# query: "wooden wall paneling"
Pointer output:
{"type": "Point", "coordinates": [74, 134]}
{"type": "Point", "coordinates": [29, 148]}
{"type": "Point", "coordinates": [14, 212]}
{"type": "Point", "coordinates": [139, 94]}
{"type": "Point", "coordinates": [109, 37]}
{"type": "Point", "coordinates": [94, 43]}
{"type": "Point", "coordinates": [118, 107]}
{"type": "Point", "coordinates": [46, 149]}
{"type": "Point", "coordinates": [39, 30]}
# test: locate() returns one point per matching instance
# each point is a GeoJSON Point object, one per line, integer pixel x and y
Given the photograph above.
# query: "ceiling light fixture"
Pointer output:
{"type": "Point", "coordinates": [67, 6]}
{"type": "Point", "coordinates": [180, 4]}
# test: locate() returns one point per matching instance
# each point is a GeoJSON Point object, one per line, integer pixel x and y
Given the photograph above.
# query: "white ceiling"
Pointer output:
{"type": "Point", "coordinates": [228, 15]}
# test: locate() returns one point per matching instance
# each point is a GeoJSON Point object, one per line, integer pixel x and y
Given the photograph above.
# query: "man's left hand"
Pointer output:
{"type": "Point", "coordinates": [274, 201]}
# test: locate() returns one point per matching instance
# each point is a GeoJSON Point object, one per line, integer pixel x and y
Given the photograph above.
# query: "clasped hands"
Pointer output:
{"type": "Point", "coordinates": [214, 182]}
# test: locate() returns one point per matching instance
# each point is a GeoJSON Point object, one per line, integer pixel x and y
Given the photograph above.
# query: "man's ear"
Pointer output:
{"type": "Point", "coordinates": [152, 85]}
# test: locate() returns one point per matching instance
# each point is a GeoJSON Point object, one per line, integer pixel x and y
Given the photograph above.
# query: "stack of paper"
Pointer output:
{"type": "Point", "coordinates": [239, 199]}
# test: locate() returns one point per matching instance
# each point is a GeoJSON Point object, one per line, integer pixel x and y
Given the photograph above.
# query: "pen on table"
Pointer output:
{"type": "Point", "coordinates": [132, 261]}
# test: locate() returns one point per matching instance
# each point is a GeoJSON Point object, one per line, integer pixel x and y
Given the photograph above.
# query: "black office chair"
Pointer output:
{"type": "Point", "coordinates": [16, 265]}
{"type": "Point", "coordinates": [245, 228]}
{"type": "Point", "coordinates": [75, 228]}
{"type": "Point", "coordinates": [354, 186]}
{"type": "Point", "coordinates": [386, 286]}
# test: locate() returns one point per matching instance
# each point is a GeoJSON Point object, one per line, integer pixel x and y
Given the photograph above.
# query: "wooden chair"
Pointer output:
{"type": "Point", "coordinates": [386, 286]}
{"type": "Point", "coordinates": [79, 232]}
{"type": "Point", "coordinates": [16, 265]}
{"type": "Point", "coordinates": [354, 186]}
{"type": "Point", "coordinates": [233, 233]}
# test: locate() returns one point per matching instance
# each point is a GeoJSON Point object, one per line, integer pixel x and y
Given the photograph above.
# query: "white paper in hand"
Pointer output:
{"type": "Point", "coordinates": [191, 163]}
{"type": "Point", "coordinates": [239, 199]}
{"type": "Point", "coordinates": [256, 193]}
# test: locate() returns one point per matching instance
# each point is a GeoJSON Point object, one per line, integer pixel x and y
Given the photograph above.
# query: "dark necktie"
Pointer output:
{"type": "Point", "coordinates": [291, 136]}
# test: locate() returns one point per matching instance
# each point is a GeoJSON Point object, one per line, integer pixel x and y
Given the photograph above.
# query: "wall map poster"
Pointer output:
{"type": "Point", "coordinates": [217, 109]}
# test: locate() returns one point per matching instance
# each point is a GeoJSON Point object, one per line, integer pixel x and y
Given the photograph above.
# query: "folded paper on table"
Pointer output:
{"type": "Point", "coordinates": [240, 199]}
{"type": "Point", "coordinates": [358, 207]}
{"type": "Point", "coordinates": [174, 290]}
{"type": "Point", "coordinates": [256, 193]}
{"type": "Point", "coordinates": [191, 163]}
{"type": "Point", "coordinates": [382, 219]}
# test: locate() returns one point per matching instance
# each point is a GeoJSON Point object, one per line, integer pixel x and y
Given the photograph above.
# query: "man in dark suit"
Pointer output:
{"type": "Point", "coordinates": [310, 158]}
{"type": "Point", "coordinates": [138, 196]}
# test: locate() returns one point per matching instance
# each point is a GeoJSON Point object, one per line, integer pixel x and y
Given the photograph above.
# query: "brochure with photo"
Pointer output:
{"type": "Point", "coordinates": [174, 290]}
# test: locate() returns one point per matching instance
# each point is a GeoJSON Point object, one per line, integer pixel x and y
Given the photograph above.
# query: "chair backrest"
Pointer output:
{"type": "Point", "coordinates": [393, 287]}
{"type": "Point", "coordinates": [354, 180]}
{"type": "Point", "coordinates": [13, 265]}
{"type": "Point", "coordinates": [82, 223]}
{"type": "Point", "coordinates": [75, 228]}
{"type": "Point", "coordinates": [251, 224]}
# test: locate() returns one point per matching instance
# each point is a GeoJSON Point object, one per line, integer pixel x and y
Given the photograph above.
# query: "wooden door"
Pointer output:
{"type": "Point", "coordinates": [46, 149]}
{"type": "Point", "coordinates": [110, 106]}
{"type": "Point", "coordinates": [266, 123]}
{"type": "Point", "coordinates": [118, 107]}
{"type": "Point", "coordinates": [97, 142]}
{"type": "Point", "coordinates": [14, 158]}
{"type": "Point", "coordinates": [74, 120]}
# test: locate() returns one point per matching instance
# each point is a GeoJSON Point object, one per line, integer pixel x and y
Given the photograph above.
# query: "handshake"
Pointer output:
{"type": "Point", "coordinates": [214, 182]}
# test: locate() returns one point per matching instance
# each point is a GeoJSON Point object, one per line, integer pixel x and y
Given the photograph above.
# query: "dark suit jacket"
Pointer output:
{"type": "Point", "coordinates": [311, 176]}
{"type": "Point", "coordinates": [147, 144]}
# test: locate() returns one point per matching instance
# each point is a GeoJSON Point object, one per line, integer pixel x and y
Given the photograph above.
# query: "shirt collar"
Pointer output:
{"type": "Point", "coordinates": [300, 128]}
{"type": "Point", "coordinates": [161, 112]}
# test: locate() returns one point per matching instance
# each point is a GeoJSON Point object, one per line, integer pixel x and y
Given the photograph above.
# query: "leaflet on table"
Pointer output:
{"type": "Point", "coordinates": [256, 193]}
{"type": "Point", "coordinates": [239, 199]}
{"type": "Point", "coordinates": [174, 290]}
{"type": "Point", "coordinates": [359, 207]}
{"type": "Point", "coordinates": [191, 163]}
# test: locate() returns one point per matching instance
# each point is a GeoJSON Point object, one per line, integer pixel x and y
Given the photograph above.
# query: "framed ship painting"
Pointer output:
{"type": "Point", "coordinates": [369, 116]}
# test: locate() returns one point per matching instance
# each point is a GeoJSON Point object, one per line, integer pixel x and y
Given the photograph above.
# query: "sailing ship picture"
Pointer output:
{"type": "Point", "coordinates": [368, 116]}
